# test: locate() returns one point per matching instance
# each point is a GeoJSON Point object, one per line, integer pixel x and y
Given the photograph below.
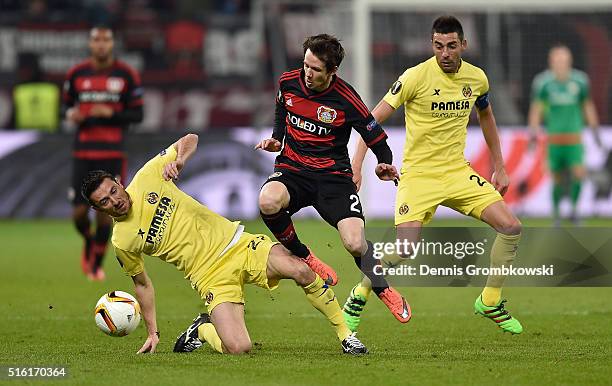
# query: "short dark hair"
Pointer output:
{"type": "Point", "coordinates": [92, 181]}
{"type": "Point", "coordinates": [447, 25]}
{"type": "Point", "coordinates": [327, 48]}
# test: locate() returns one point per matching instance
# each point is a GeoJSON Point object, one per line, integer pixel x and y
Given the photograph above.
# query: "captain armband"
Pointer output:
{"type": "Point", "coordinates": [482, 102]}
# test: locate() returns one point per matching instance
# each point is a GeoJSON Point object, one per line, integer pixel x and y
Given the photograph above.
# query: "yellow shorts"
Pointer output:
{"type": "Point", "coordinates": [421, 191]}
{"type": "Point", "coordinates": [244, 263]}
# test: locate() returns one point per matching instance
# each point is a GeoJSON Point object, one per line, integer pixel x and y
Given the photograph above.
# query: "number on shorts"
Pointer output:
{"type": "Point", "coordinates": [255, 242]}
{"type": "Point", "coordinates": [478, 181]}
{"type": "Point", "coordinates": [354, 207]}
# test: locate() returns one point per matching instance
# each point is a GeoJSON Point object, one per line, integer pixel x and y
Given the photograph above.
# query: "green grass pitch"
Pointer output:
{"type": "Point", "coordinates": [46, 318]}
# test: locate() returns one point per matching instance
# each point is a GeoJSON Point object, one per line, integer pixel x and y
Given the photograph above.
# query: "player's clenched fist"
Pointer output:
{"type": "Point", "coordinates": [386, 172]}
{"type": "Point", "coordinates": [172, 170]}
{"type": "Point", "coordinates": [500, 181]}
{"type": "Point", "coordinates": [270, 144]}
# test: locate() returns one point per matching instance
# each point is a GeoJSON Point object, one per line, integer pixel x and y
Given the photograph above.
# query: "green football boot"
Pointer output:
{"type": "Point", "coordinates": [353, 307]}
{"type": "Point", "coordinates": [499, 315]}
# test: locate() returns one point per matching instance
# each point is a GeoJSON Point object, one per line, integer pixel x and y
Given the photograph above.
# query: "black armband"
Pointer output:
{"type": "Point", "coordinates": [382, 151]}
{"type": "Point", "coordinates": [482, 102]}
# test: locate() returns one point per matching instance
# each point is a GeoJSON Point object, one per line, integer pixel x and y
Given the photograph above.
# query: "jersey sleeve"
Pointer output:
{"type": "Point", "coordinates": [360, 117]}
{"type": "Point", "coordinates": [403, 89]}
{"type": "Point", "coordinates": [280, 114]}
{"type": "Point", "coordinates": [538, 91]}
{"type": "Point", "coordinates": [155, 165]}
{"type": "Point", "coordinates": [69, 95]}
{"type": "Point", "coordinates": [134, 92]}
{"type": "Point", "coordinates": [370, 130]}
{"type": "Point", "coordinates": [131, 263]}
{"type": "Point", "coordinates": [482, 101]}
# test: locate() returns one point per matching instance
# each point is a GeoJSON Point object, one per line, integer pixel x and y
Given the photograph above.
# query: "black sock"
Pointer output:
{"type": "Point", "coordinates": [366, 264]}
{"type": "Point", "coordinates": [101, 240]}
{"type": "Point", "coordinates": [83, 227]}
{"type": "Point", "coordinates": [281, 226]}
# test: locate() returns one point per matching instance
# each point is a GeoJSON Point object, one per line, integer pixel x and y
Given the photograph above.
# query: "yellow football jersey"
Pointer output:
{"type": "Point", "coordinates": [437, 110]}
{"type": "Point", "coordinates": [167, 223]}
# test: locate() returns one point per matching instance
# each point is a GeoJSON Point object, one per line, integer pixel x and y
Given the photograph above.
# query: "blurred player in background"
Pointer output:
{"type": "Point", "coordinates": [438, 96]}
{"type": "Point", "coordinates": [102, 96]}
{"type": "Point", "coordinates": [154, 217]}
{"type": "Point", "coordinates": [315, 113]}
{"type": "Point", "coordinates": [561, 96]}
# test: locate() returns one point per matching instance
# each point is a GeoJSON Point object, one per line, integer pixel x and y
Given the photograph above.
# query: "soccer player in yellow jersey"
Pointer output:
{"type": "Point", "coordinates": [153, 216]}
{"type": "Point", "coordinates": [438, 96]}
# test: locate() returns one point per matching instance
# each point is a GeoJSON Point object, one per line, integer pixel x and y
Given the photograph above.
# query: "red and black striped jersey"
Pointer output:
{"type": "Point", "coordinates": [118, 87]}
{"type": "Point", "coordinates": [316, 126]}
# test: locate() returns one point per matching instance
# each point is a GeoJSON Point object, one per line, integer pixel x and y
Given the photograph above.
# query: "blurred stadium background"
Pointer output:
{"type": "Point", "coordinates": [211, 67]}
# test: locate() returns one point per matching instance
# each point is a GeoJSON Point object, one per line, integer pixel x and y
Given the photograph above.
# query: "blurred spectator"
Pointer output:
{"type": "Point", "coordinates": [35, 102]}
{"type": "Point", "coordinates": [103, 96]}
{"type": "Point", "coordinates": [562, 101]}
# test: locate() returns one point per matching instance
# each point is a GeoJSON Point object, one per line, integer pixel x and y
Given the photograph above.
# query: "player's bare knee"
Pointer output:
{"type": "Point", "coordinates": [269, 204]}
{"type": "Point", "coordinates": [238, 347]}
{"type": "Point", "coordinates": [303, 275]}
{"type": "Point", "coordinates": [354, 244]}
{"type": "Point", "coordinates": [511, 227]}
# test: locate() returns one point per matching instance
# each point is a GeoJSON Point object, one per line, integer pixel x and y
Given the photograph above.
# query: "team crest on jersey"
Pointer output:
{"type": "Point", "coordinates": [467, 91]}
{"type": "Point", "coordinates": [289, 102]}
{"type": "Point", "coordinates": [275, 174]}
{"type": "Point", "coordinates": [114, 84]}
{"type": "Point", "coordinates": [208, 298]}
{"type": "Point", "coordinates": [396, 87]}
{"type": "Point", "coordinates": [326, 114]}
{"type": "Point", "coordinates": [403, 209]}
{"type": "Point", "coordinates": [152, 198]}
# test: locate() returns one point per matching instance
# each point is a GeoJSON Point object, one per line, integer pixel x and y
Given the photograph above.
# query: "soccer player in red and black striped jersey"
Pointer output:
{"type": "Point", "coordinates": [102, 96]}
{"type": "Point", "coordinates": [315, 112]}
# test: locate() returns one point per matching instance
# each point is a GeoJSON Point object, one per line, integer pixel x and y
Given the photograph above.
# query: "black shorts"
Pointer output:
{"type": "Point", "coordinates": [80, 168]}
{"type": "Point", "coordinates": [333, 196]}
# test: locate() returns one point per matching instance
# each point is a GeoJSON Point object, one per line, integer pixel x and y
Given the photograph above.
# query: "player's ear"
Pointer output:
{"type": "Point", "coordinates": [464, 44]}
{"type": "Point", "coordinates": [117, 180]}
{"type": "Point", "coordinates": [334, 70]}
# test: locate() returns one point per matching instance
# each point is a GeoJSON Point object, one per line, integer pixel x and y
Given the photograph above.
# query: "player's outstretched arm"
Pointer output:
{"type": "Point", "coordinates": [381, 113]}
{"type": "Point", "coordinates": [145, 294]}
{"type": "Point", "coordinates": [488, 125]}
{"type": "Point", "coordinates": [185, 147]}
{"type": "Point", "coordinates": [534, 120]}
